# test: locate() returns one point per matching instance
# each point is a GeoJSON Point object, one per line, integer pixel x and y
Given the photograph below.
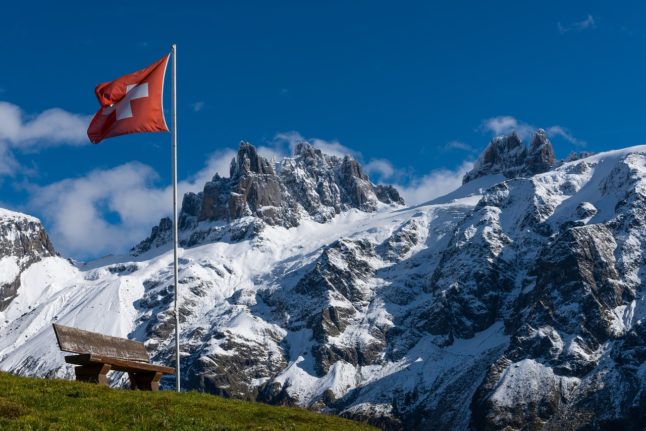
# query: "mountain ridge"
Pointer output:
{"type": "Point", "coordinates": [516, 301]}
{"type": "Point", "coordinates": [310, 184]}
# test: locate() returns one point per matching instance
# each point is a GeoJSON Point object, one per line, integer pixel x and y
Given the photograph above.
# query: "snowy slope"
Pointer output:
{"type": "Point", "coordinates": [23, 241]}
{"type": "Point", "coordinates": [515, 301]}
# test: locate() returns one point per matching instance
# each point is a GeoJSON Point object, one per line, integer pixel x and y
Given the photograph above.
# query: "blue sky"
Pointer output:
{"type": "Point", "coordinates": [413, 89]}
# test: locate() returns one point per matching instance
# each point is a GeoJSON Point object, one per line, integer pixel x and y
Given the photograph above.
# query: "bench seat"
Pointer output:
{"type": "Point", "coordinates": [98, 354]}
{"type": "Point", "coordinates": [117, 364]}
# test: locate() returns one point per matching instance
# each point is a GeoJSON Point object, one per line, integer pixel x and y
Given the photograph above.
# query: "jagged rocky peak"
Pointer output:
{"type": "Point", "coordinates": [248, 161]}
{"type": "Point", "coordinates": [252, 189]}
{"type": "Point", "coordinates": [507, 155]}
{"type": "Point", "coordinates": [23, 241]}
{"type": "Point", "coordinates": [308, 184]}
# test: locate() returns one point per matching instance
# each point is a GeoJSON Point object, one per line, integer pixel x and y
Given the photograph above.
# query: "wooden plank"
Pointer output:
{"type": "Point", "coordinates": [78, 341]}
{"type": "Point", "coordinates": [117, 364]}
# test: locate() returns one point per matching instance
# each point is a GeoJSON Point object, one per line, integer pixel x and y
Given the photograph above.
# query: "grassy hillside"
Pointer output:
{"type": "Point", "coordinates": [43, 404]}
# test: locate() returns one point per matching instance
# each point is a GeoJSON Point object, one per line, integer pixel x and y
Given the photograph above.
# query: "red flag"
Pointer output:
{"type": "Point", "coordinates": [131, 104]}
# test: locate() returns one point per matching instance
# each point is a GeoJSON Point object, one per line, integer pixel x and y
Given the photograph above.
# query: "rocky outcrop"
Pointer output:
{"type": "Point", "coordinates": [252, 189]}
{"type": "Point", "coordinates": [561, 369]}
{"type": "Point", "coordinates": [508, 156]}
{"type": "Point", "coordinates": [309, 184]}
{"type": "Point", "coordinates": [23, 241]}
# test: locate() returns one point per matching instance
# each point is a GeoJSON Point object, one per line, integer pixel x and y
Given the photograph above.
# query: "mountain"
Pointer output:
{"type": "Point", "coordinates": [515, 302]}
{"type": "Point", "coordinates": [23, 242]}
{"type": "Point", "coordinates": [507, 155]}
{"type": "Point", "coordinates": [310, 185]}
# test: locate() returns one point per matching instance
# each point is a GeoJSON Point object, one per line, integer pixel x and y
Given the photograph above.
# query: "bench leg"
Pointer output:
{"type": "Point", "coordinates": [144, 381]}
{"type": "Point", "coordinates": [93, 373]}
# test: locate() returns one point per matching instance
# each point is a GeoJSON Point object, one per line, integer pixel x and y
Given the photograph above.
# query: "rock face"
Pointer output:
{"type": "Point", "coordinates": [520, 307]}
{"type": "Point", "coordinates": [507, 155]}
{"type": "Point", "coordinates": [308, 185]}
{"type": "Point", "coordinates": [23, 241]}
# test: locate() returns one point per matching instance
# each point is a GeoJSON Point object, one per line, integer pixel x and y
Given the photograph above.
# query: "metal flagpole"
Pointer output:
{"type": "Point", "coordinates": [174, 151]}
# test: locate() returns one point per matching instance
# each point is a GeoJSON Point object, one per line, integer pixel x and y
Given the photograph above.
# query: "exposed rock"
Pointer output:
{"type": "Point", "coordinates": [23, 241]}
{"type": "Point", "coordinates": [519, 307]}
{"type": "Point", "coordinates": [309, 184]}
{"type": "Point", "coordinates": [507, 155]}
{"type": "Point", "coordinates": [541, 154]}
{"type": "Point", "coordinates": [388, 195]}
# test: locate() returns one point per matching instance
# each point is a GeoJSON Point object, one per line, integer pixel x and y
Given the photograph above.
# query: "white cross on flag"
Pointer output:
{"type": "Point", "coordinates": [131, 104]}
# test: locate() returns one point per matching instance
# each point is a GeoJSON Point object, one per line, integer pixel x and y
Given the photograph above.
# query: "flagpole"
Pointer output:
{"type": "Point", "coordinates": [174, 152]}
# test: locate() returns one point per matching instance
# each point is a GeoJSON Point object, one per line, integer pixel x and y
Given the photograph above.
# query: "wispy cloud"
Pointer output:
{"type": "Point", "coordinates": [436, 183]}
{"type": "Point", "coordinates": [20, 132]}
{"type": "Point", "coordinates": [197, 106]}
{"type": "Point", "coordinates": [333, 147]}
{"type": "Point", "coordinates": [49, 128]}
{"type": "Point", "coordinates": [506, 124]}
{"type": "Point", "coordinates": [381, 168]}
{"type": "Point", "coordinates": [461, 146]}
{"type": "Point", "coordinates": [8, 163]}
{"type": "Point", "coordinates": [588, 23]}
{"type": "Point", "coordinates": [565, 134]}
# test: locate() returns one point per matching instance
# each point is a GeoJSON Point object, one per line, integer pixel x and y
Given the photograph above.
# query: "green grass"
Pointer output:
{"type": "Point", "coordinates": [47, 404]}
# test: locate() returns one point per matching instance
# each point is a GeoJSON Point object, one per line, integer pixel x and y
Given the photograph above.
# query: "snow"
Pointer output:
{"type": "Point", "coordinates": [90, 296]}
{"type": "Point", "coordinates": [588, 186]}
{"type": "Point", "coordinates": [231, 277]}
{"type": "Point", "coordinates": [9, 215]}
{"type": "Point", "coordinates": [473, 189]}
{"type": "Point", "coordinates": [9, 269]}
{"type": "Point", "coordinates": [51, 292]}
{"type": "Point", "coordinates": [524, 382]}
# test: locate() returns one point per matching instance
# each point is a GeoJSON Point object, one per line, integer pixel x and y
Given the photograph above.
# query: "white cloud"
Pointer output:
{"type": "Point", "coordinates": [197, 106]}
{"type": "Point", "coordinates": [78, 210]}
{"type": "Point", "coordinates": [218, 162]}
{"type": "Point", "coordinates": [436, 183]}
{"type": "Point", "coordinates": [459, 145]}
{"type": "Point", "coordinates": [589, 23]}
{"type": "Point", "coordinates": [51, 127]}
{"type": "Point", "coordinates": [505, 125]}
{"type": "Point", "coordinates": [8, 163]}
{"type": "Point", "coordinates": [271, 153]}
{"type": "Point", "coordinates": [565, 134]}
{"type": "Point", "coordinates": [27, 133]}
{"type": "Point", "coordinates": [333, 148]}
{"type": "Point", "coordinates": [382, 168]}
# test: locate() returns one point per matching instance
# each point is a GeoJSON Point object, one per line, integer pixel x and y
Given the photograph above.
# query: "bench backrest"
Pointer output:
{"type": "Point", "coordinates": [78, 341]}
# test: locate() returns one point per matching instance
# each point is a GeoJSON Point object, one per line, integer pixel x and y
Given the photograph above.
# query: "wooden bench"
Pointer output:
{"type": "Point", "coordinates": [97, 354]}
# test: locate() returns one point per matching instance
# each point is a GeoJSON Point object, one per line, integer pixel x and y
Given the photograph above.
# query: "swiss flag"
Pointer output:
{"type": "Point", "coordinates": [131, 104]}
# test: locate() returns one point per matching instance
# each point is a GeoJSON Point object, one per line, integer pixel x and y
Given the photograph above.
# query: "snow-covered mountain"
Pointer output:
{"type": "Point", "coordinates": [514, 302]}
{"type": "Point", "coordinates": [23, 241]}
